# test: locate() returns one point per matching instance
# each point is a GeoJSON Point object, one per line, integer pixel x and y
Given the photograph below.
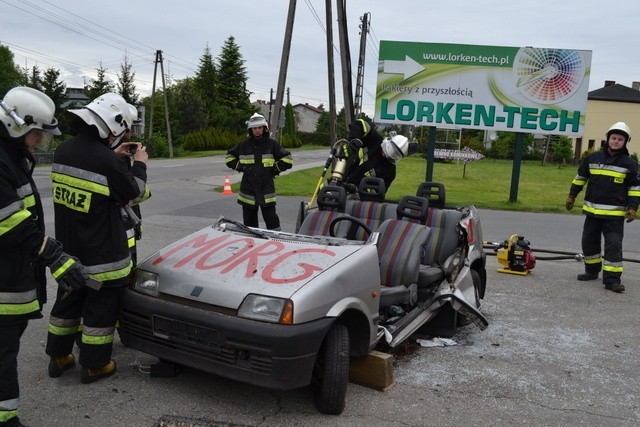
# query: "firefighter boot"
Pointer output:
{"type": "Point", "coordinates": [615, 287]}
{"type": "Point", "coordinates": [57, 365]}
{"type": "Point", "coordinates": [89, 375]}
{"type": "Point", "coordinates": [583, 277]}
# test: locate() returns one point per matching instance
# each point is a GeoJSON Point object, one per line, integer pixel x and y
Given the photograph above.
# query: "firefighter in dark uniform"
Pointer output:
{"type": "Point", "coordinates": [26, 117]}
{"type": "Point", "coordinates": [132, 213]}
{"type": "Point", "coordinates": [260, 159]}
{"type": "Point", "coordinates": [371, 155]}
{"type": "Point", "coordinates": [613, 194]}
{"type": "Point", "coordinates": [92, 188]}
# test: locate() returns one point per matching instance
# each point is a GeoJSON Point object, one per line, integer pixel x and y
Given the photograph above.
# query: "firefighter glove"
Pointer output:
{"type": "Point", "coordinates": [343, 150]}
{"type": "Point", "coordinates": [631, 214]}
{"type": "Point", "coordinates": [353, 146]}
{"type": "Point", "coordinates": [569, 203]}
{"type": "Point", "coordinates": [67, 270]}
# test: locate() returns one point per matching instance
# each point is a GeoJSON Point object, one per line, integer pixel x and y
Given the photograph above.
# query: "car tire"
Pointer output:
{"type": "Point", "coordinates": [477, 282]}
{"type": "Point", "coordinates": [331, 372]}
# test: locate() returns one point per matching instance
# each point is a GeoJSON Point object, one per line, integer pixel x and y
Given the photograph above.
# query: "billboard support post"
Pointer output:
{"type": "Point", "coordinates": [515, 172]}
{"type": "Point", "coordinates": [431, 148]}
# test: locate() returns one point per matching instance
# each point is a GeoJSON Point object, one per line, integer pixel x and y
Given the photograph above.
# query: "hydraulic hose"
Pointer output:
{"type": "Point", "coordinates": [567, 255]}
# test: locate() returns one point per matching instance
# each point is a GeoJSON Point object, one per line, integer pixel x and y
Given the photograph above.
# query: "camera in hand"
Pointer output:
{"type": "Point", "coordinates": [133, 148]}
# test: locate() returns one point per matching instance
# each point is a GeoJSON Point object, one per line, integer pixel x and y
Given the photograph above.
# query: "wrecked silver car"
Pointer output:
{"type": "Point", "coordinates": [285, 310]}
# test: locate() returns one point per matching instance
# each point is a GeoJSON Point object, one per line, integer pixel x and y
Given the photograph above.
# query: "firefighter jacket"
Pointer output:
{"type": "Point", "coordinates": [134, 226]}
{"type": "Point", "coordinates": [612, 184]}
{"type": "Point", "coordinates": [22, 280]}
{"type": "Point", "coordinates": [91, 188]}
{"type": "Point", "coordinates": [370, 162]}
{"type": "Point", "coordinates": [259, 160]}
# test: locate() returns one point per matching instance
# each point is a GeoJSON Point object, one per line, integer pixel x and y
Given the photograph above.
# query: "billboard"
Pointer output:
{"type": "Point", "coordinates": [517, 89]}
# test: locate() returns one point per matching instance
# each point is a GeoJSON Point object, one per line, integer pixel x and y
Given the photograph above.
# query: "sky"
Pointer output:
{"type": "Point", "coordinates": [76, 36]}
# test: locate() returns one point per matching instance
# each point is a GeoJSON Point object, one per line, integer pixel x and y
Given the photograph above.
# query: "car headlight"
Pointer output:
{"type": "Point", "coordinates": [267, 309]}
{"type": "Point", "coordinates": [146, 283]}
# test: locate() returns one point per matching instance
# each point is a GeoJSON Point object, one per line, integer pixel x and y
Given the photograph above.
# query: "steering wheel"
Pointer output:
{"type": "Point", "coordinates": [355, 225]}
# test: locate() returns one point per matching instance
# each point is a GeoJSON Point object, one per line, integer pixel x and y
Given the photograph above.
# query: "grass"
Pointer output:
{"type": "Point", "coordinates": [486, 183]}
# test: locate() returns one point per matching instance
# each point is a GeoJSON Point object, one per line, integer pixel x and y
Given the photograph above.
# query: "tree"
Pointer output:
{"type": "Point", "coordinates": [505, 145]}
{"type": "Point", "coordinates": [289, 137]}
{"type": "Point", "coordinates": [323, 123]}
{"type": "Point", "coordinates": [205, 84]}
{"type": "Point", "coordinates": [100, 85]}
{"type": "Point", "coordinates": [10, 74]}
{"type": "Point", "coordinates": [125, 85]}
{"type": "Point", "coordinates": [188, 109]}
{"type": "Point", "coordinates": [34, 79]}
{"type": "Point", "coordinates": [289, 121]}
{"type": "Point", "coordinates": [57, 91]}
{"type": "Point", "coordinates": [562, 150]}
{"type": "Point", "coordinates": [233, 96]}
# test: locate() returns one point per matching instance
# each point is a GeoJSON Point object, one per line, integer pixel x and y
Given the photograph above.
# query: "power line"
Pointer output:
{"type": "Point", "coordinates": [101, 36]}
{"type": "Point", "coordinates": [110, 31]}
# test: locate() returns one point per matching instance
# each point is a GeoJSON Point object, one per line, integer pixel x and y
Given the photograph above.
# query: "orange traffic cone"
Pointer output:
{"type": "Point", "coordinates": [227, 186]}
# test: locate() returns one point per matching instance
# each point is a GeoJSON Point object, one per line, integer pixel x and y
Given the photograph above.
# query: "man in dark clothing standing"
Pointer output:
{"type": "Point", "coordinates": [613, 194]}
{"type": "Point", "coordinates": [260, 159]}
{"type": "Point", "coordinates": [26, 117]}
{"type": "Point", "coordinates": [92, 187]}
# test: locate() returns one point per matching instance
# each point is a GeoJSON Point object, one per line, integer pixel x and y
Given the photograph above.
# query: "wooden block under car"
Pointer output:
{"type": "Point", "coordinates": [374, 371]}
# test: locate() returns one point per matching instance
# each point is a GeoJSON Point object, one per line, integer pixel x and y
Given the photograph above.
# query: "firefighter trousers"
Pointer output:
{"type": "Point", "coordinates": [98, 311]}
{"type": "Point", "coordinates": [613, 231]}
{"type": "Point", "coordinates": [10, 335]}
{"type": "Point", "coordinates": [250, 216]}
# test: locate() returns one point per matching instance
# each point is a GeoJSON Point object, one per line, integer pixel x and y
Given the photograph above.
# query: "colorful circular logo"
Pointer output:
{"type": "Point", "coordinates": [548, 76]}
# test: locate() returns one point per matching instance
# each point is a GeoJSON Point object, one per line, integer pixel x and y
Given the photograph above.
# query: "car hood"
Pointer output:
{"type": "Point", "coordinates": [220, 267]}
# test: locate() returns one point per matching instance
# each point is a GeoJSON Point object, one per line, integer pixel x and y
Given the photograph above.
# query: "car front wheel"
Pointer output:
{"type": "Point", "coordinates": [331, 372]}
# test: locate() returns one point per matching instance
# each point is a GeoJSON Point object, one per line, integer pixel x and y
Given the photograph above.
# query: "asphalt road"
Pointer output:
{"type": "Point", "coordinates": [556, 352]}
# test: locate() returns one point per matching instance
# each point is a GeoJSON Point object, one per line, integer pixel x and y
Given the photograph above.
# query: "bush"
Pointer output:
{"type": "Point", "coordinates": [290, 141]}
{"type": "Point", "coordinates": [211, 139]}
{"type": "Point", "coordinates": [157, 146]}
{"type": "Point", "coordinates": [315, 138]}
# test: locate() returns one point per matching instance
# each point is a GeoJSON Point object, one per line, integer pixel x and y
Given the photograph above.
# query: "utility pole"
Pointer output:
{"type": "Point", "coordinates": [345, 59]}
{"type": "Point", "coordinates": [284, 63]}
{"type": "Point", "coordinates": [153, 95]}
{"type": "Point", "coordinates": [332, 85]}
{"type": "Point", "coordinates": [270, 104]}
{"type": "Point", "coordinates": [364, 30]}
{"type": "Point", "coordinates": [166, 103]}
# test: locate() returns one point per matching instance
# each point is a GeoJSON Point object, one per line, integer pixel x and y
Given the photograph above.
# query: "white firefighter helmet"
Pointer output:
{"type": "Point", "coordinates": [620, 128]}
{"type": "Point", "coordinates": [24, 109]}
{"type": "Point", "coordinates": [133, 115]}
{"type": "Point", "coordinates": [395, 147]}
{"type": "Point", "coordinates": [257, 121]}
{"type": "Point", "coordinates": [110, 113]}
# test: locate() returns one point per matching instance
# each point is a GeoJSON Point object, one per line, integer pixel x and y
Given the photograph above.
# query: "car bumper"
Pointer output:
{"type": "Point", "coordinates": [258, 353]}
